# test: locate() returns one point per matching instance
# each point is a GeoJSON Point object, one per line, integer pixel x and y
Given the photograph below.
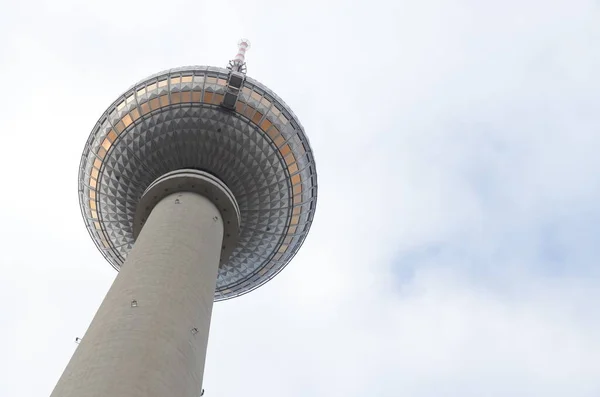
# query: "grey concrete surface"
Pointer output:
{"type": "Point", "coordinates": [200, 182]}
{"type": "Point", "coordinates": [157, 346]}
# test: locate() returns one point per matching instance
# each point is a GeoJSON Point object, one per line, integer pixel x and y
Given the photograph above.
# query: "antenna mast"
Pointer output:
{"type": "Point", "coordinates": [238, 64]}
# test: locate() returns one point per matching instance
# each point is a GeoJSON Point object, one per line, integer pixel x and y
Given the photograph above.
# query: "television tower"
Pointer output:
{"type": "Point", "coordinates": [197, 184]}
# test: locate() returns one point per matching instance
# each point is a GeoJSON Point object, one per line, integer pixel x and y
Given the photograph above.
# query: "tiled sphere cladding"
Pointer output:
{"type": "Point", "coordinates": [173, 120]}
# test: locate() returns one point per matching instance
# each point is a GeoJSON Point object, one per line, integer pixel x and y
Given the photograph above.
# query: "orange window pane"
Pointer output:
{"type": "Point", "coordinates": [256, 118]}
{"type": "Point", "coordinates": [217, 99]}
{"type": "Point", "coordinates": [186, 79]}
{"type": "Point", "coordinates": [151, 88]}
{"type": "Point", "coordinates": [97, 225]}
{"type": "Point", "coordinates": [292, 229]}
{"type": "Point", "coordinates": [211, 80]}
{"type": "Point", "coordinates": [293, 168]}
{"type": "Point", "coordinates": [101, 152]}
{"type": "Point", "coordinates": [164, 100]}
{"type": "Point", "coordinates": [297, 189]}
{"type": "Point", "coordinates": [93, 194]}
{"type": "Point", "coordinates": [297, 199]}
{"type": "Point", "coordinates": [285, 150]}
{"type": "Point", "coordinates": [283, 248]}
{"type": "Point", "coordinates": [288, 240]}
{"type": "Point", "coordinates": [111, 136]}
{"type": "Point", "coordinates": [239, 107]}
{"type": "Point", "coordinates": [97, 163]}
{"type": "Point", "coordinates": [196, 96]}
{"type": "Point", "coordinates": [141, 91]}
{"type": "Point", "coordinates": [266, 124]}
{"type": "Point", "coordinates": [94, 173]}
{"type": "Point", "coordinates": [175, 80]}
{"type": "Point", "coordinates": [127, 120]}
{"type": "Point", "coordinates": [256, 95]}
{"type": "Point", "coordinates": [296, 179]}
{"type": "Point", "coordinates": [154, 104]}
{"type": "Point", "coordinates": [249, 111]}
{"type": "Point", "coordinates": [273, 132]}
{"type": "Point", "coordinates": [290, 159]}
{"type": "Point", "coordinates": [221, 82]}
{"type": "Point", "coordinates": [246, 91]}
{"type": "Point", "coordinates": [175, 97]}
{"type": "Point", "coordinates": [265, 102]}
{"type": "Point", "coordinates": [106, 144]}
{"type": "Point", "coordinates": [275, 111]}
{"type": "Point", "coordinates": [119, 127]}
{"type": "Point", "coordinates": [94, 214]}
{"type": "Point", "coordinates": [279, 140]}
{"type": "Point", "coordinates": [93, 204]}
{"type": "Point", "coordinates": [121, 105]}
{"type": "Point", "coordinates": [93, 183]}
{"type": "Point", "coordinates": [277, 257]}
{"type": "Point", "coordinates": [208, 96]}
{"type": "Point", "coordinates": [297, 211]}
{"type": "Point", "coordinates": [295, 219]}
{"type": "Point", "coordinates": [162, 83]}
{"type": "Point", "coordinates": [186, 96]}
{"type": "Point", "coordinates": [145, 108]}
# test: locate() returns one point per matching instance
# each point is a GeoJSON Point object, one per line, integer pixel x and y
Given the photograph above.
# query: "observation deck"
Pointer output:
{"type": "Point", "coordinates": [214, 120]}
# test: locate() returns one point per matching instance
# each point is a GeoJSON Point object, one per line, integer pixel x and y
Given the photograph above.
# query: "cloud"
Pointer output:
{"type": "Point", "coordinates": [455, 243]}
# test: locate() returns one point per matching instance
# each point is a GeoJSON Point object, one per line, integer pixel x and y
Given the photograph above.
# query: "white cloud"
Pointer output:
{"type": "Point", "coordinates": [454, 247]}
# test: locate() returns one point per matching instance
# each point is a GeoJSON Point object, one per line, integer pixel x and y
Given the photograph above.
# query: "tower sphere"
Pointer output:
{"type": "Point", "coordinates": [219, 123]}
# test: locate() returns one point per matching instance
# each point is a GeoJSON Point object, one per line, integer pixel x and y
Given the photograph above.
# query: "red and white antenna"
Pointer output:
{"type": "Point", "coordinates": [238, 64]}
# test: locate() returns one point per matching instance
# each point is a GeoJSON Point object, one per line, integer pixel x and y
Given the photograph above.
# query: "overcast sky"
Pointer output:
{"type": "Point", "coordinates": [456, 241]}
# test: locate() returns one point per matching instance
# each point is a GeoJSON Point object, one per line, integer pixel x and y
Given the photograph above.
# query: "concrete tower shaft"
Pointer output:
{"type": "Point", "coordinates": [149, 337]}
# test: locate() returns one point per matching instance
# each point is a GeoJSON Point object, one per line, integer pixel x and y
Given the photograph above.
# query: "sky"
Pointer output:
{"type": "Point", "coordinates": [454, 249]}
